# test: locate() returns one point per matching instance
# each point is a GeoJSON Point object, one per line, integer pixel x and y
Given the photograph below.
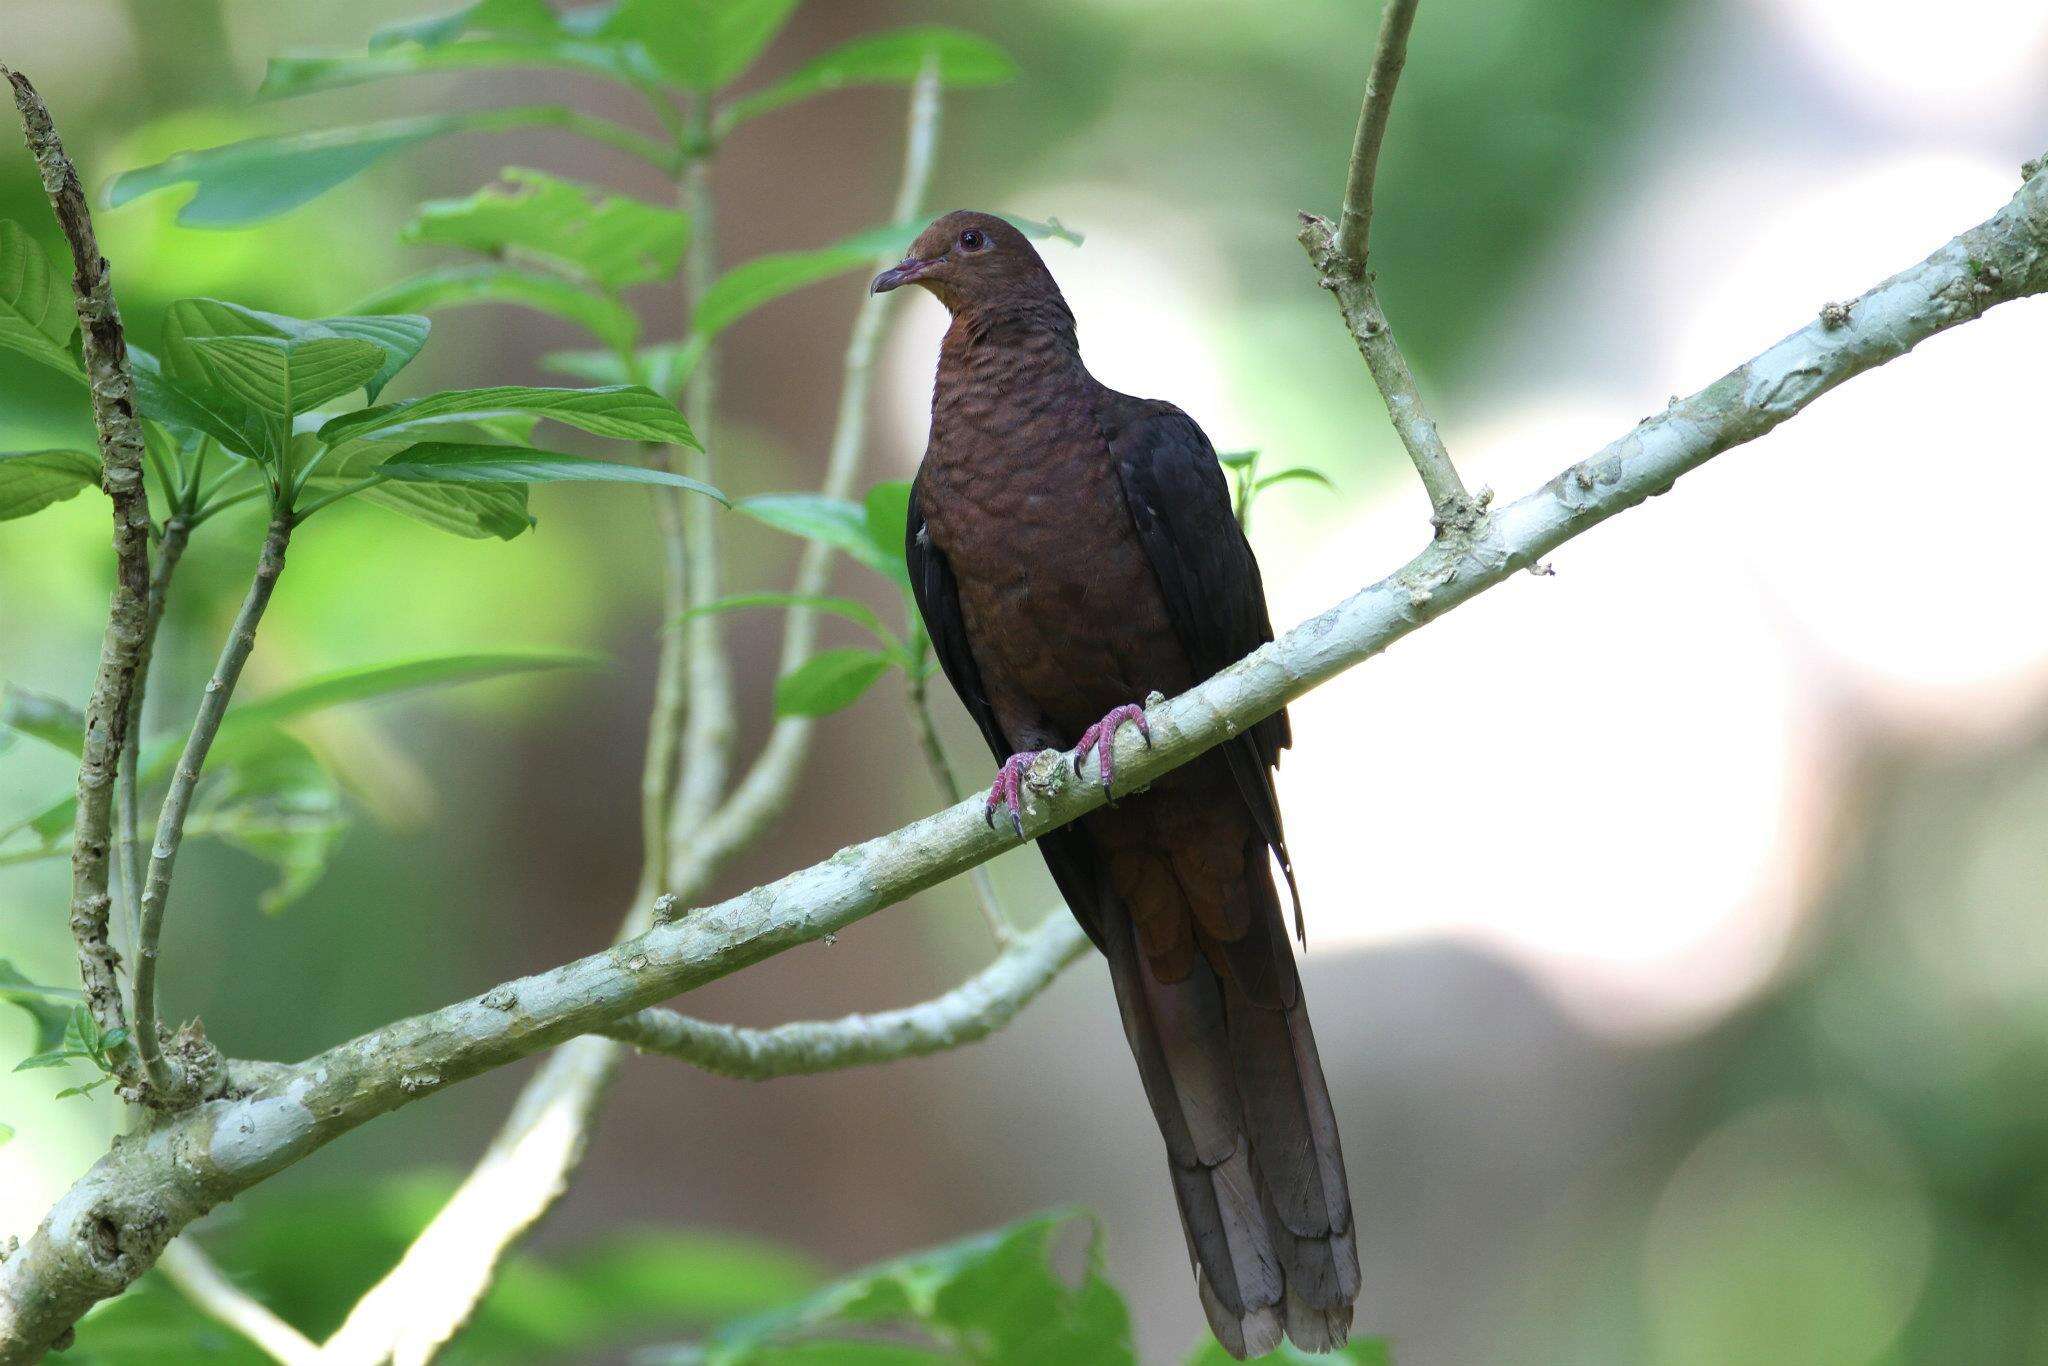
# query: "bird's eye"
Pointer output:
{"type": "Point", "coordinates": [972, 240]}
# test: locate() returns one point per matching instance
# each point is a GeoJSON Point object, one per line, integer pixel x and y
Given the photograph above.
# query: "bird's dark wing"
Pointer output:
{"type": "Point", "coordinates": [1073, 864]}
{"type": "Point", "coordinates": [938, 602]}
{"type": "Point", "coordinates": [1179, 503]}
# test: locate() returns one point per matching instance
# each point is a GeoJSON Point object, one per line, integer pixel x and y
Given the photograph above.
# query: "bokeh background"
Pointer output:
{"type": "Point", "coordinates": [1676, 933]}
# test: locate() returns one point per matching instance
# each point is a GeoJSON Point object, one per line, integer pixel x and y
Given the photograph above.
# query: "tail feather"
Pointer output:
{"type": "Point", "coordinates": [1250, 1134]}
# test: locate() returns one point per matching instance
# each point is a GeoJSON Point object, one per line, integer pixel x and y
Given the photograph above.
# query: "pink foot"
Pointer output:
{"type": "Point", "coordinates": [1101, 737]}
{"type": "Point", "coordinates": [1007, 792]}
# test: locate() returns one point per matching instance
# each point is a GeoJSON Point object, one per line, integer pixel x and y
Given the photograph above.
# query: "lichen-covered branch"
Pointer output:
{"type": "Point", "coordinates": [114, 1222]}
{"type": "Point", "coordinates": [969, 1012]}
{"type": "Point", "coordinates": [168, 1085]}
{"type": "Point", "coordinates": [1339, 254]}
{"type": "Point", "coordinates": [104, 347]}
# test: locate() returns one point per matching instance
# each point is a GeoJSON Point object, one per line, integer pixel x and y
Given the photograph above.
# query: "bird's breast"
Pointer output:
{"type": "Point", "coordinates": [1061, 607]}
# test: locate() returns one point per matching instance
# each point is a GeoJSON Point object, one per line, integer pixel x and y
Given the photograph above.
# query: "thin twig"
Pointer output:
{"type": "Point", "coordinates": [919, 699]}
{"type": "Point", "coordinates": [709, 727]}
{"type": "Point", "coordinates": [1388, 57]}
{"type": "Point", "coordinates": [975, 1009]}
{"type": "Point", "coordinates": [771, 779]}
{"type": "Point", "coordinates": [170, 825]}
{"type": "Point", "coordinates": [1340, 256]}
{"type": "Point", "coordinates": [177, 532]}
{"type": "Point", "coordinates": [105, 350]}
{"type": "Point", "coordinates": [199, 1280]}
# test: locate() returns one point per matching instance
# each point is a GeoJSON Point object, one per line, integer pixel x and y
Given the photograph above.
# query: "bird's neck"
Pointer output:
{"type": "Point", "coordinates": [999, 360]}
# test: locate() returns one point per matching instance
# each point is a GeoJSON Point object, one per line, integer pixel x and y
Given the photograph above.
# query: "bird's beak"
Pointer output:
{"type": "Point", "coordinates": [901, 274]}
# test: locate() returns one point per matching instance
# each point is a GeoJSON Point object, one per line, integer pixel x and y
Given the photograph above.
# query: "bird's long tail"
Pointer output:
{"type": "Point", "coordinates": [1229, 1063]}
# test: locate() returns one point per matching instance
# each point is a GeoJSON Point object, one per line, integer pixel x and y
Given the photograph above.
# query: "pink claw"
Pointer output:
{"type": "Point", "coordinates": [1101, 737]}
{"type": "Point", "coordinates": [1007, 792]}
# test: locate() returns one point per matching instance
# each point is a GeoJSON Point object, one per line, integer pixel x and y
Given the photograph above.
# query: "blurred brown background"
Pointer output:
{"type": "Point", "coordinates": [1675, 932]}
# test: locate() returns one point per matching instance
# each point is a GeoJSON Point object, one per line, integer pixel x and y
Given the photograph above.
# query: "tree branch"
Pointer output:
{"type": "Point", "coordinates": [165, 1080]}
{"type": "Point", "coordinates": [107, 713]}
{"type": "Point", "coordinates": [115, 1220]}
{"type": "Point", "coordinates": [1340, 256]}
{"type": "Point", "coordinates": [969, 1012]}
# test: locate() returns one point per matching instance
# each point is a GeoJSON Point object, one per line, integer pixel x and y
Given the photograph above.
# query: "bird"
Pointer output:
{"type": "Point", "coordinates": [1073, 550]}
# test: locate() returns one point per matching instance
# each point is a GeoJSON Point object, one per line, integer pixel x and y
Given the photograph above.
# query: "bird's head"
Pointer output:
{"type": "Point", "coordinates": [970, 259]}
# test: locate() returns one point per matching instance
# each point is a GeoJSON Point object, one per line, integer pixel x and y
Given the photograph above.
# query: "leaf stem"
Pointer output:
{"type": "Point", "coordinates": [170, 825]}
{"type": "Point", "coordinates": [335, 496]}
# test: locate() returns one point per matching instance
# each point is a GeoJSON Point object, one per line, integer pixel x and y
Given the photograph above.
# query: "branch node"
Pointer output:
{"type": "Point", "coordinates": [1832, 316]}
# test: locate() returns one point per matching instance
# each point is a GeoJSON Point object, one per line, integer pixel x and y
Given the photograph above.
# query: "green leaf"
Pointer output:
{"type": "Point", "coordinates": [627, 412]}
{"type": "Point", "coordinates": [193, 407]}
{"type": "Point", "coordinates": [702, 44]}
{"type": "Point", "coordinates": [54, 1058]}
{"type": "Point", "coordinates": [6, 1133]}
{"type": "Point", "coordinates": [834, 521]}
{"type": "Point", "coordinates": [887, 517]}
{"type": "Point", "coordinates": [36, 313]}
{"type": "Point", "coordinates": [828, 682]}
{"type": "Point", "coordinates": [857, 612]}
{"type": "Point", "coordinates": [1359, 1352]}
{"type": "Point", "coordinates": [399, 336]}
{"type": "Point", "coordinates": [486, 16]}
{"type": "Point", "coordinates": [276, 801]}
{"type": "Point", "coordinates": [1298, 472]}
{"type": "Point", "coordinates": [1236, 460]}
{"type": "Point", "coordinates": [246, 182]}
{"type": "Point", "coordinates": [49, 719]}
{"type": "Point", "coordinates": [463, 462]}
{"type": "Point", "coordinates": [49, 1007]}
{"type": "Point", "coordinates": [234, 371]}
{"type": "Point", "coordinates": [476, 511]}
{"type": "Point", "coordinates": [746, 287]}
{"type": "Point", "coordinates": [356, 683]}
{"type": "Point", "coordinates": [280, 377]}
{"type": "Point", "coordinates": [999, 1291]}
{"type": "Point", "coordinates": [964, 59]}
{"type": "Point", "coordinates": [303, 73]}
{"type": "Point", "coordinates": [463, 286]}
{"type": "Point", "coordinates": [667, 366]}
{"type": "Point", "coordinates": [380, 682]}
{"type": "Point", "coordinates": [33, 480]}
{"type": "Point", "coordinates": [611, 240]}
